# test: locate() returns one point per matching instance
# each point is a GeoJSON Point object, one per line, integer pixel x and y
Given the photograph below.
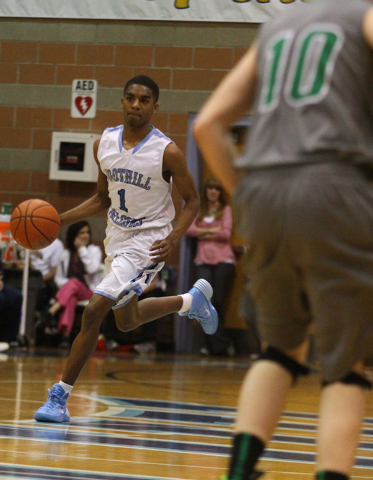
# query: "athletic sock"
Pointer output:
{"type": "Point", "coordinates": [246, 452]}
{"type": "Point", "coordinates": [327, 475]}
{"type": "Point", "coordinates": [187, 302]}
{"type": "Point", "coordinates": [66, 387]}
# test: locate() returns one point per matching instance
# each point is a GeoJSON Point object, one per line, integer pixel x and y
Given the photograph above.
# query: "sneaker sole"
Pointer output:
{"type": "Point", "coordinates": [44, 417]}
{"type": "Point", "coordinates": [204, 287]}
{"type": "Point", "coordinates": [214, 326]}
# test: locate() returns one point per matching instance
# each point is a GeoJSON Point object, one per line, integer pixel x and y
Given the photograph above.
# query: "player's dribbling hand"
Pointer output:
{"type": "Point", "coordinates": [160, 250]}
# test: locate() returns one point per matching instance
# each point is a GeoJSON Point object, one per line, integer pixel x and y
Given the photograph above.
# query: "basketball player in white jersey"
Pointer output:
{"type": "Point", "coordinates": [136, 164]}
{"type": "Point", "coordinates": [305, 207]}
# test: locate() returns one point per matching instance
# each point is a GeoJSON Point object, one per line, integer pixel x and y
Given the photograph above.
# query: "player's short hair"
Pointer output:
{"type": "Point", "coordinates": [146, 82]}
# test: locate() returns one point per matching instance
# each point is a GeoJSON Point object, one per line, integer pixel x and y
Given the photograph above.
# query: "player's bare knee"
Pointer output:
{"type": "Point", "coordinates": [122, 327]}
{"type": "Point", "coordinates": [127, 322]}
{"type": "Point", "coordinates": [93, 315]}
{"type": "Point", "coordinates": [126, 325]}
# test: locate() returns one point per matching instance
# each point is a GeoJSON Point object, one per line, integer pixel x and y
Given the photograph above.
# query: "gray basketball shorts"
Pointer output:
{"type": "Point", "coordinates": [310, 234]}
{"type": "Point", "coordinates": [129, 268]}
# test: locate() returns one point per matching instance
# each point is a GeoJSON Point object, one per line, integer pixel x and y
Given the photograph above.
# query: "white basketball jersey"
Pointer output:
{"type": "Point", "coordinates": [140, 197]}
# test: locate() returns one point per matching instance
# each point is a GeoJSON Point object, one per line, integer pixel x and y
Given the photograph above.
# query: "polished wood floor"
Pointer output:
{"type": "Point", "coordinates": [148, 417]}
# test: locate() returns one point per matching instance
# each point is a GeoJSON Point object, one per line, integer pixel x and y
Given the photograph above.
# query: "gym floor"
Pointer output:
{"type": "Point", "coordinates": [161, 416]}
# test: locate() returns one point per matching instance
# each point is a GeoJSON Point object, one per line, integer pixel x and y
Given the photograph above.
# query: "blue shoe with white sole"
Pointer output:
{"type": "Point", "coordinates": [201, 308]}
{"type": "Point", "coordinates": [54, 409]}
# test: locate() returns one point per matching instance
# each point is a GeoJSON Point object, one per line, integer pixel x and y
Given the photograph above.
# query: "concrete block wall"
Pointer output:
{"type": "Point", "coordinates": [39, 58]}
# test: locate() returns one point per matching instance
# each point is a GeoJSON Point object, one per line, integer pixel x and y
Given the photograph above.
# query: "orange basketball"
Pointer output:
{"type": "Point", "coordinates": [34, 224]}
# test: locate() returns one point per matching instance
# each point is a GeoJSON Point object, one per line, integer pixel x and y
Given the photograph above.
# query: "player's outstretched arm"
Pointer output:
{"type": "Point", "coordinates": [94, 205]}
{"type": "Point", "coordinates": [229, 102]}
{"type": "Point", "coordinates": [174, 162]}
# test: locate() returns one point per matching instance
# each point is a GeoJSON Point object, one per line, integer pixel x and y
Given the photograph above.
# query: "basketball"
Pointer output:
{"type": "Point", "coordinates": [34, 224]}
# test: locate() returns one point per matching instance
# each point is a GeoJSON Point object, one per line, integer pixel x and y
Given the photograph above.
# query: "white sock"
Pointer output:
{"type": "Point", "coordinates": [66, 387]}
{"type": "Point", "coordinates": [187, 302]}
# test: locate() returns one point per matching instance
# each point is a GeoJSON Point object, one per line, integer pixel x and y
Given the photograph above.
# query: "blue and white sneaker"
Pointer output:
{"type": "Point", "coordinates": [201, 308]}
{"type": "Point", "coordinates": [54, 409]}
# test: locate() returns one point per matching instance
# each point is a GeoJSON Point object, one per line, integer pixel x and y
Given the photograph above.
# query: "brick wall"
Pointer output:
{"type": "Point", "coordinates": [39, 58]}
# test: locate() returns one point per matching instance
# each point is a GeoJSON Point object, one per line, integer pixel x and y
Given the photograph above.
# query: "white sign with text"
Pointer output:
{"type": "Point", "coordinates": [84, 98]}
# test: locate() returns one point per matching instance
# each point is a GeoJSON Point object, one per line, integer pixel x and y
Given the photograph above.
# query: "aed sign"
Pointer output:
{"type": "Point", "coordinates": [84, 98]}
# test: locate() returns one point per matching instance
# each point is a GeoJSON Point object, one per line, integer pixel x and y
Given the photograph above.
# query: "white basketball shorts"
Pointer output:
{"type": "Point", "coordinates": [129, 268]}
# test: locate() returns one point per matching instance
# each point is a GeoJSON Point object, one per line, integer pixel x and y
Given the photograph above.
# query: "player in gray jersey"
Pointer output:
{"type": "Point", "coordinates": [305, 207]}
{"type": "Point", "coordinates": [136, 166]}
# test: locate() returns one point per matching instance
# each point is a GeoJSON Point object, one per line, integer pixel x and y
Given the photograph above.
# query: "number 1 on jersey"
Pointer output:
{"type": "Point", "coordinates": [121, 194]}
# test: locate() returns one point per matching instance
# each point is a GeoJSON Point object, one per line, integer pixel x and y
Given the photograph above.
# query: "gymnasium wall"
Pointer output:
{"type": "Point", "coordinates": [39, 58]}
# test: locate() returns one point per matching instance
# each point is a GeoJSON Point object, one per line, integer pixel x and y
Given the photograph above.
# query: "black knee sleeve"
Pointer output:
{"type": "Point", "coordinates": [292, 366]}
{"type": "Point", "coordinates": [352, 378]}
{"type": "Point", "coordinates": [328, 475]}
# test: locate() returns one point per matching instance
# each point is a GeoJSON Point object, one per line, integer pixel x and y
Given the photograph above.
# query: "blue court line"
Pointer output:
{"type": "Point", "coordinates": [210, 420]}
{"type": "Point", "coordinates": [290, 439]}
{"type": "Point", "coordinates": [315, 416]}
{"type": "Point", "coordinates": [174, 406]}
{"type": "Point", "coordinates": [307, 457]}
{"type": "Point", "coordinates": [60, 434]}
{"type": "Point", "coordinates": [91, 438]}
{"type": "Point", "coordinates": [159, 428]}
{"type": "Point", "coordinates": [138, 402]}
{"type": "Point", "coordinates": [165, 411]}
{"type": "Point", "coordinates": [49, 473]}
{"type": "Point", "coordinates": [171, 416]}
{"type": "Point", "coordinates": [313, 428]}
{"type": "Point", "coordinates": [162, 429]}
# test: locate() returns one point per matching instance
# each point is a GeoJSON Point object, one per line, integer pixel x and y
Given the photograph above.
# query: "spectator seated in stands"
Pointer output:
{"type": "Point", "coordinates": [77, 276]}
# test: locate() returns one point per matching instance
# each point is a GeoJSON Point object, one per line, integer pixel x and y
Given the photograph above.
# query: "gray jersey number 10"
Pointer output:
{"type": "Point", "coordinates": [310, 56]}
